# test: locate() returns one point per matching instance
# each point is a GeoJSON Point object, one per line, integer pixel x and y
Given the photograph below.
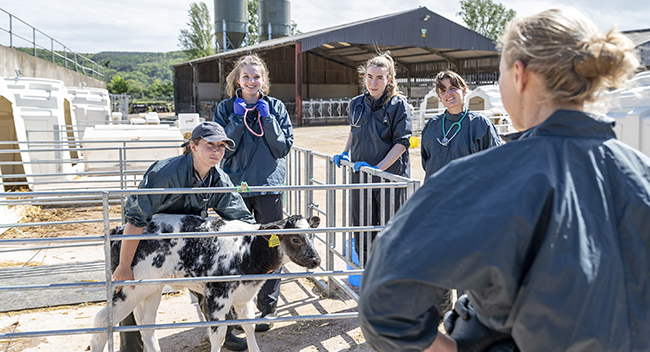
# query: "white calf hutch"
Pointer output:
{"type": "Point", "coordinates": [44, 107]}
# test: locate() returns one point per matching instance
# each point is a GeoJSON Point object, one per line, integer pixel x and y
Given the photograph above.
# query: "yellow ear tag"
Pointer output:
{"type": "Point", "coordinates": [274, 241]}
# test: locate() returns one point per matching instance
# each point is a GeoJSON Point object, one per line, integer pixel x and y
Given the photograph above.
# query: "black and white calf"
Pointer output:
{"type": "Point", "coordinates": [196, 257]}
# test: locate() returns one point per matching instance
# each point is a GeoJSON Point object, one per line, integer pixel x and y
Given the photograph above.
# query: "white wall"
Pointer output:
{"type": "Point", "coordinates": [30, 66]}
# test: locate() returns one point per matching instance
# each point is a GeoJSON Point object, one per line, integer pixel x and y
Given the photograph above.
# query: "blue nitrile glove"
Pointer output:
{"type": "Point", "coordinates": [359, 164]}
{"type": "Point", "coordinates": [263, 108]}
{"type": "Point", "coordinates": [239, 106]}
{"type": "Point", "coordinates": [343, 156]}
{"type": "Point", "coordinates": [462, 324]}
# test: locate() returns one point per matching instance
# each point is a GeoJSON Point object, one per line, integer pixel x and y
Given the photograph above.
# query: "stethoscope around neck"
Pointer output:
{"type": "Point", "coordinates": [355, 119]}
{"type": "Point", "coordinates": [445, 141]}
{"type": "Point", "coordinates": [259, 117]}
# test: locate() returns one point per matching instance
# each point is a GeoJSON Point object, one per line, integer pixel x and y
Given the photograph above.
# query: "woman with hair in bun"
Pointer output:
{"type": "Point", "coordinates": [549, 235]}
{"type": "Point", "coordinates": [380, 128]}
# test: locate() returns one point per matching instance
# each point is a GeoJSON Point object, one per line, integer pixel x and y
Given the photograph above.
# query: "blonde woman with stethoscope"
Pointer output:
{"type": "Point", "coordinates": [457, 132]}
{"type": "Point", "coordinates": [380, 128]}
{"type": "Point", "coordinates": [261, 129]}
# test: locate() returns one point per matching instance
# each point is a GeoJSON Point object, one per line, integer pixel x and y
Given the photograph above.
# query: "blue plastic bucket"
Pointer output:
{"type": "Point", "coordinates": [355, 280]}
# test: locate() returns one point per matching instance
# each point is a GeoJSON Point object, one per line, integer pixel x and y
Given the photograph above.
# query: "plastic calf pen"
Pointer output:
{"type": "Point", "coordinates": [314, 186]}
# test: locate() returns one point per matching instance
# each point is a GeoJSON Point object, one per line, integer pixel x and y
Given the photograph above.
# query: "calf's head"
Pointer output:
{"type": "Point", "coordinates": [299, 247]}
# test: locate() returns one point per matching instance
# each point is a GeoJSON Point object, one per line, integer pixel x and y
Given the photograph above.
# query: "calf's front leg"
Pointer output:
{"type": "Point", "coordinates": [145, 314]}
{"type": "Point", "coordinates": [247, 311]}
{"type": "Point", "coordinates": [216, 311]}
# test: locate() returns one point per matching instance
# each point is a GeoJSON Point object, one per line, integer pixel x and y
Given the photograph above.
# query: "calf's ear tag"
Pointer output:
{"type": "Point", "coordinates": [274, 241]}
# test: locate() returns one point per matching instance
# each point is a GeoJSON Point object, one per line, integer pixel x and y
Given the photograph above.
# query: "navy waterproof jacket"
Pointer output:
{"type": "Point", "coordinates": [552, 245]}
{"type": "Point", "coordinates": [377, 128]}
{"type": "Point", "coordinates": [476, 133]}
{"type": "Point", "coordinates": [178, 172]}
{"type": "Point", "coordinates": [258, 161]}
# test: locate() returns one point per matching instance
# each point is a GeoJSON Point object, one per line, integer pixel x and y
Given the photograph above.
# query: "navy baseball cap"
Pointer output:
{"type": "Point", "coordinates": [211, 132]}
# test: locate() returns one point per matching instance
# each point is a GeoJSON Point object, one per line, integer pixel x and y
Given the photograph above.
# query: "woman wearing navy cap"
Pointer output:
{"type": "Point", "coordinates": [197, 167]}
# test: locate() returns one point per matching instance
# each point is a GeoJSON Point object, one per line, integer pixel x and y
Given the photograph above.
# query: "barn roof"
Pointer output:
{"type": "Point", "coordinates": [414, 36]}
{"type": "Point", "coordinates": [638, 36]}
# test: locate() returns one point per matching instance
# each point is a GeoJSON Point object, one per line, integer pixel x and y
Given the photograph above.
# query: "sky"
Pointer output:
{"type": "Point", "coordinates": [92, 26]}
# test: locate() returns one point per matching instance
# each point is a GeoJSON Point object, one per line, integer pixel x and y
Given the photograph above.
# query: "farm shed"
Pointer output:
{"type": "Point", "coordinates": [323, 64]}
{"type": "Point", "coordinates": [641, 40]}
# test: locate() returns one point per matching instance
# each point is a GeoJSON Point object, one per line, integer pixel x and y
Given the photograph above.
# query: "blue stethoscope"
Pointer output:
{"type": "Point", "coordinates": [355, 119]}
{"type": "Point", "coordinates": [355, 123]}
{"type": "Point", "coordinates": [445, 141]}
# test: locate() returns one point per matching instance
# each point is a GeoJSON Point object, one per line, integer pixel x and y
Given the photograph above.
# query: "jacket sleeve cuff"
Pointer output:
{"type": "Point", "coordinates": [403, 141]}
{"type": "Point", "coordinates": [135, 221]}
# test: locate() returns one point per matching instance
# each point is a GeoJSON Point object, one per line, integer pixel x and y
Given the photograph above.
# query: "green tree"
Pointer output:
{"type": "Point", "coordinates": [294, 28]}
{"type": "Point", "coordinates": [197, 41]}
{"type": "Point", "coordinates": [253, 21]}
{"type": "Point", "coordinates": [118, 85]}
{"type": "Point", "coordinates": [136, 87]}
{"type": "Point", "coordinates": [159, 89]}
{"type": "Point", "coordinates": [485, 17]}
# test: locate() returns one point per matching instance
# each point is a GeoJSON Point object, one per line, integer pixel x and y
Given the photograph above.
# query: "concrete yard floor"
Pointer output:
{"type": "Point", "coordinates": [298, 296]}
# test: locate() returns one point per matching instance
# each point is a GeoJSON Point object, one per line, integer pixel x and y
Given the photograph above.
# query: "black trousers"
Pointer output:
{"type": "Point", "coordinates": [372, 218]}
{"type": "Point", "coordinates": [267, 208]}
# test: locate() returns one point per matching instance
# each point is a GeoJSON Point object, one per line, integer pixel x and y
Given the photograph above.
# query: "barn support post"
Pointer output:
{"type": "Point", "coordinates": [222, 81]}
{"type": "Point", "coordinates": [195, 88]}
{"type": "Point", "coordinates": [408, 83]}
{"type": "Point", "coordinates": [298, 84]}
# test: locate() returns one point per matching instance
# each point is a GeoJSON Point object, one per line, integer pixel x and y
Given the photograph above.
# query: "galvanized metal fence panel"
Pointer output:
{"type": "Point", "coordinates": [313, 185]}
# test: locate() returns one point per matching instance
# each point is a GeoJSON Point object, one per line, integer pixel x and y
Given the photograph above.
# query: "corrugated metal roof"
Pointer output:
{"type": "Point", "coordinates": [413, 36]}
{"type": "Point", "coordinates": [639, 36]}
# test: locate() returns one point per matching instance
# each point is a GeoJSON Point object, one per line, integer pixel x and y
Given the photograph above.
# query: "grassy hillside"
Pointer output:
{"type": "Point", "coordinates": [149, 75]}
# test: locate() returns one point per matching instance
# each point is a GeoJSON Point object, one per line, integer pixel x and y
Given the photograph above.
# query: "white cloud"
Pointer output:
{"type": "Point", "coordinates": [91, 26]}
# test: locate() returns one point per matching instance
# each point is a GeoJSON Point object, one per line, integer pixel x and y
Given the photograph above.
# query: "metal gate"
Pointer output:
{"type": "Point", "coordinates": [313, 185]}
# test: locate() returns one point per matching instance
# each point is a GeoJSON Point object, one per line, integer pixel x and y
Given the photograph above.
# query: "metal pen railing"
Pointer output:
{"type": "Point", "coordinates": [377, 195]}
{"type": "Point", "coordinates": [313, 109]}
{"type": "Point", "coordinates": [68, 162]}
{"type": "Point", "coordinates": [314, 185]}
{"type": "Point", "coordinates": [107, 238]}
{"type": "Point", "coordinates": [79, 62]}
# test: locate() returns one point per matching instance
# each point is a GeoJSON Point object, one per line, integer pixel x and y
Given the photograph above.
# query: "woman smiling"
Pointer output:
{"type": "Point", "coordinates": [457, 132]}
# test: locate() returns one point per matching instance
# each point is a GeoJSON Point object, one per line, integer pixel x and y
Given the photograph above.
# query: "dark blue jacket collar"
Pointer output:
{"type": "Point", "coordinates": [374, 104]}
{"type": "Point", "coordinates": [572, 123]}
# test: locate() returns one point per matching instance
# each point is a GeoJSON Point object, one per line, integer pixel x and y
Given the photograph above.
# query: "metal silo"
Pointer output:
{"type": "Point", "coordinates": [276, 15]}
{"type": "Point", "coordinates": [231, 14]}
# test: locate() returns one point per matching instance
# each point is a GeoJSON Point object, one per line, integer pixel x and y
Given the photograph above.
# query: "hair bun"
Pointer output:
{"type": "Point", "coordinates": [595, 60]}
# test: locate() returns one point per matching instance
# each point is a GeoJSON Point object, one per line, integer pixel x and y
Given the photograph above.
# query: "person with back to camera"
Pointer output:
{"type": "Point", "coordinates": [263, 139]}
{"type": "Point", "coordinates": [549, 234]}
{"type": "Point", "coordinates": [456, 132]}
{"type": "Point", "coordinates": [197, 167]}
{"type": "Point", "coordinates": [380, 128]}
